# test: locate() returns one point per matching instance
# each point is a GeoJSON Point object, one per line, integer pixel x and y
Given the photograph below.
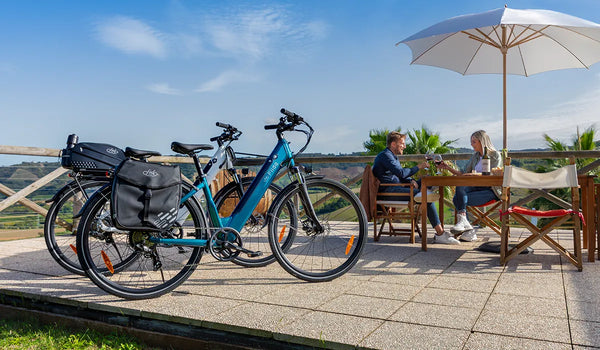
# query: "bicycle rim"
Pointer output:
{"type": "Point", "coordinates": [60, 226]}
{"type": "Point", "coordinates": [319, 256]}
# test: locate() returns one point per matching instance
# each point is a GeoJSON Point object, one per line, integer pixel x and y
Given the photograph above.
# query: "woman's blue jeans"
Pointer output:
{"type": "Point", "coordinates": [432, 214]}
{"type": "Point", "coordinates": [469, 195]}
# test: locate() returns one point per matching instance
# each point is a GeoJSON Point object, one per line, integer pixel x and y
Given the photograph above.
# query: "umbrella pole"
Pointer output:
{"type": "Point", "coordinates": [504, 49]}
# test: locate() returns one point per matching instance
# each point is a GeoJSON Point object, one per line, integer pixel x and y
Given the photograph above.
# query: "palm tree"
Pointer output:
{"type": "Point", "coordinates": [581, 142]}
{"type": "Point", "coordinates": [377, 141]}
{"type": "Point", "coordinates": [423, 141]}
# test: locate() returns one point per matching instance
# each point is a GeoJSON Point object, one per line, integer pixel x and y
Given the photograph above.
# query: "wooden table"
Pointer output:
{"type": "Point", "coordinates": [442, 181]}
{"type": "Point", "coordinates": [586, 183]}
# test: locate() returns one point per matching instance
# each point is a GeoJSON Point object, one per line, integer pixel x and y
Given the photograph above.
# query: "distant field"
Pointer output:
{"type": "Point", "coordinates": [9, 235]}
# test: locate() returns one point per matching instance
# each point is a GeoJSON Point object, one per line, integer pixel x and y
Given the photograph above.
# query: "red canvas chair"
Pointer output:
{"type": "Point", "coordinates": [565, 177]}
{"type": "Point", "coordinates": [483, 217]}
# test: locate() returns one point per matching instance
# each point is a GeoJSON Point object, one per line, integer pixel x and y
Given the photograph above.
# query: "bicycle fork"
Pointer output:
{"type": "Point", "coordinates": [315, 226]}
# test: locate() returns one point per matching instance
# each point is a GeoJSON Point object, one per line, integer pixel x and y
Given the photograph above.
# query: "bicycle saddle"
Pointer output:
{"type": "Point", "coordinates": [138, 153]}
{"type": "Point", "coordinates": [186, 148]}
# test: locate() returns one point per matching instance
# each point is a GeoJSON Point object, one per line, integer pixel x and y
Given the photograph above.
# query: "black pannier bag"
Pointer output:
{"type": "Point", "coordinates": [91, 158]}
{"type": "Point", "coordinates": [145, 196]}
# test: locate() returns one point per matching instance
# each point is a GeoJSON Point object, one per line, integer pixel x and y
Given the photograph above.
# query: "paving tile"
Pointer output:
{"type": "Point", "coordinates": [323, 329]}
{"type": "Point", "coordinates": [307, 295]}
{"type": "Point", "coordinates": [437, 315]}
{"type": "Point", "coordinates": [584, 285]}
{"type": "Point", "coordinates": [442, 259]}
{"type": "Point", "coordinates": [584, 311]}
{"type": "Point", "coordinates": [400, 335]}
{"type": "Point", "coordinates": [462, 298]}
{"type": "Point", "coordinates": [479, 267]}
{"type": "Point", "coordinates": [517, 324]}
{"type": "Point", "coordinates": [254, 319]}
{"type": "Point", "coordinates": [365, 306]}
{"type": "Point", "coordinates": [184, 307]}
{"type": "Point", "coordinates": [415, 276]}
{"type": "Point", "coordinates": [585, 333]}
{"type": "Point", "coordinates": [385, 290]}
{"type": "Point", "coordinates": [543, 285]}
{"type": "Point", "coordinates": [483, 341]}
{"type": "Point", "coordinates": [467, 284]}
{"type": "Point", "coordinates": [527, 305]}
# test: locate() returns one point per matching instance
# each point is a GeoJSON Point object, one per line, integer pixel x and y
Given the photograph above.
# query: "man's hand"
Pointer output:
{"type": "Point", "coordinates": [414, 184]}
{"type": "Point", "coordinates": [423, 165]}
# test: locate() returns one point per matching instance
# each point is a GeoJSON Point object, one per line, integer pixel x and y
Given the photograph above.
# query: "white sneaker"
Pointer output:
{"type": "Point", "coordinates": [469, 236]}
{"type": "Point", "coordinates": [462, 225]}
{"type": "Point", "coordinates": [445, 238]}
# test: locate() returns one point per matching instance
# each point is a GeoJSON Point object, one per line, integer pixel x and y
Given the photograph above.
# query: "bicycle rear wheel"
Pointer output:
{"type": "Point", "coordinates": [255, 233]}
{"type": "Point", "coordinates": [319, 255]}
{"type": "Point", "coordinates": [60, 225]}
{"type": "Point", "coordinates": [149, 269]}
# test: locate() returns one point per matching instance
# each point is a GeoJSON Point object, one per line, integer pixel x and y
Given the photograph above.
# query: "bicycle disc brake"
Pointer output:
{"type": "Point", "coordinates": [225, 244]}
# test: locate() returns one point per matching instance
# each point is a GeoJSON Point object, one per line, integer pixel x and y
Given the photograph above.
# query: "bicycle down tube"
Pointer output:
{"type": "Point", "coordinates": [281, 154]}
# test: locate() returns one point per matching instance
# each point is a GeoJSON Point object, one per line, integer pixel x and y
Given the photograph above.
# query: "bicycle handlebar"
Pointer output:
{"type": "Point", "coordinates": [230, 133]}
{"type": "Point", "coordinates": [289, 123]}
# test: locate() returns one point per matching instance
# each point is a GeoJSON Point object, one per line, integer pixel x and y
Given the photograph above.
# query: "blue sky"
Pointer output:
{"type": "Point", "coordinates": [145, 73]}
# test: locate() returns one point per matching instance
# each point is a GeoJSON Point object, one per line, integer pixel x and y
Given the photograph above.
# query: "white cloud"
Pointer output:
{"type": "Point", "coordinates": [255, 34]}
{"type": "Point", "coordinates": [163, 88]}
{"type": "Point", "coordinates": [224, 79]}
{"type": "Point", "coordinates": [559, 121]}
{"type": "Point", "coordinates": [131, 36]}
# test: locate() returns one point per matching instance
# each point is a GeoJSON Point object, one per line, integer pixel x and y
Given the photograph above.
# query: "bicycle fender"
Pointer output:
{"type": "Point", "coordinates": [71, 185]}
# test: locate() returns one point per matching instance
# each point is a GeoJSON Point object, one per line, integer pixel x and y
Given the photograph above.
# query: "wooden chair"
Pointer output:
{"type": "Point", "coordinates": [565, 177]}
{"type": "Point", "coordinates": [484, 217]}
{"type": "Point", "coordinates": [385, 212]}
{"type": "Point", "coordinates": [597, 217]}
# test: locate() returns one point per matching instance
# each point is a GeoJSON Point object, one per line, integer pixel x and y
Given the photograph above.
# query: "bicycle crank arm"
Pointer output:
{"type": "Point", "coordinates": [250, 253]}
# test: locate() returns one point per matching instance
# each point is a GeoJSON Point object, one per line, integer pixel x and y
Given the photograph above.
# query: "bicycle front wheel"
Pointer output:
{"type": "Point", "coordinates": [150, 269]}
{"type": "Point", "coordinates": [60, 226]}
{"type": "Point", "coordinates": [325, 251]}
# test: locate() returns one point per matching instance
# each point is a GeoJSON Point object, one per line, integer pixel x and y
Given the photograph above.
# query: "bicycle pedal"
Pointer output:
{"type": "Point", "coordinates": [254, 254]}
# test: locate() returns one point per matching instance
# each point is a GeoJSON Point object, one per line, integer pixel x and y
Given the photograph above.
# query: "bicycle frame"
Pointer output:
{"type": "Point", "coordinates": [280, 156]}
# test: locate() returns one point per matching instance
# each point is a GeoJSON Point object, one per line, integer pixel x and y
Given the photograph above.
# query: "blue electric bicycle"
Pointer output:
{"type": "Point", "coordinates": [317, 228]}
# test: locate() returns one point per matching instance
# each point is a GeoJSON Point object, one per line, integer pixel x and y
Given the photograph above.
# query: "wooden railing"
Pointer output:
{"type": "Point", "coordinates": [21, 195]}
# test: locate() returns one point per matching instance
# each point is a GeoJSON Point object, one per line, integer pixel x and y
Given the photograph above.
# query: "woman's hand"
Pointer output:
{"type": "Point", "coordinates": [443, 166]}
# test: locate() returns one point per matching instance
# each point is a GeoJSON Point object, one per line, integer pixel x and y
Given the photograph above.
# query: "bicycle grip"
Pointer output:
{"type": "Point", "coordinates": [292, 115]}
{"type": "Point", "coordinates": [212, 139]}
{"type": "Point", "coordinates": [269, 127]}
{"type": "Point", "coordinates": [223, 125]}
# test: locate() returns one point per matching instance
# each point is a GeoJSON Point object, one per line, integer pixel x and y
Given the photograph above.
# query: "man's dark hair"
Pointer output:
{"type": "Point", "coordinates": [394, 136]}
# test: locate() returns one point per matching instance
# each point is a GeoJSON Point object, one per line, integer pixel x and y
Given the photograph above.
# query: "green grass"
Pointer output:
{"type": "Point", "coordinates": [33, 335]}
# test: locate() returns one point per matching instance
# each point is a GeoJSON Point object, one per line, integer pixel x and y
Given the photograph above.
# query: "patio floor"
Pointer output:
{"type": "Point", "coordinates": [397, 297]}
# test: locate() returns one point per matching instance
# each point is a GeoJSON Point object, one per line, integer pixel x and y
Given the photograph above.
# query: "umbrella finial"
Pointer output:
{"type": "Point", "coordinates": [505, 5]}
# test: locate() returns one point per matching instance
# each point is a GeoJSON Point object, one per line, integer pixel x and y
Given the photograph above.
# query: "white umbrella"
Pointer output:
{"type": "Point", "coordinates": [508, 41]}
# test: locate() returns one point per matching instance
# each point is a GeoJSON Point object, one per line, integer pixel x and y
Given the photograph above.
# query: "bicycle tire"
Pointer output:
{"type": "Point", "coordinates": [60, 225]}
{"type": "Point", "coordinates": [141, 277]}
{"type": "Point", "coordinates": [255, 234]}
{"type": "Point", "coordinates": [313, 256]}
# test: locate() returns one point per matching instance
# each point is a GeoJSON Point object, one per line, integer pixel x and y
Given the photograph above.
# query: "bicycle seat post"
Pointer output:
{"type": "Point", "coordinates": [198, 166]}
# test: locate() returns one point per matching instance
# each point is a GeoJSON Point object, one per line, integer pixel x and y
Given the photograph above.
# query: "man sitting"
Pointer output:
{"type": "Point", "coordinates": [388, 169]}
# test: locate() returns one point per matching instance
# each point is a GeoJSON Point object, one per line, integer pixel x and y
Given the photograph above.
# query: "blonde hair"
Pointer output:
{"type": "Point", "coordinates": [394, 136]}
{"type": "Point", "coordinates": [485, 140]}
